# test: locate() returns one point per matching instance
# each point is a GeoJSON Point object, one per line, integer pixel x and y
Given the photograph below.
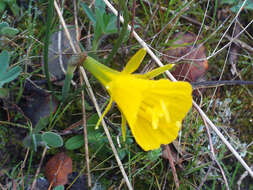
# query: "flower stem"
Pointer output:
{"type": "Point", "coordinates": [103, 73]}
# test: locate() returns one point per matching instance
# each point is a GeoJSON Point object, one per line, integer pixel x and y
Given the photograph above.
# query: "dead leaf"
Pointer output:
{"type": "Point", "coordinates": [39, 105]}
{"type": "Point", "coordinates": [186, 69]}
{"type": "Point", "coordinates": [58, 168]}
{"type": "Point", "coordinates": [60, 52]}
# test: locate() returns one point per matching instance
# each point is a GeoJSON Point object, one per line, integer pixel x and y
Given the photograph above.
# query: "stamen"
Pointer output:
{"type": "Point", "coordinates": [155, 120]}
{"type": "Point", "coordinates": [165, 111]}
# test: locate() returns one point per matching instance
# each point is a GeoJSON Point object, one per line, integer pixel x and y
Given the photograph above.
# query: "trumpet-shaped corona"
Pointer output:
{"type": "Point", "coordinates": [154, 109]}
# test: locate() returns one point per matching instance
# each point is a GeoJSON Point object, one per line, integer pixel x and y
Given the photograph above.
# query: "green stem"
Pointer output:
{"type": "Point", "coordinates": [103, 73]}
{"type": "Point", "coordinates": [50, 11]}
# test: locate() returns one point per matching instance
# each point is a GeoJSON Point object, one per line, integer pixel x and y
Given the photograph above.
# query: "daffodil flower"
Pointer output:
{"type": "Point", "coordinates": [154, 109]}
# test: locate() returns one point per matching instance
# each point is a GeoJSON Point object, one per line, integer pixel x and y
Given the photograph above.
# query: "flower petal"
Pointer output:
{"type": "Point", "coordinates": [158, 71]}
{"type": "Point", "coordinates": [134, 62]}
{"type": "Point", "coordinates": [123, 126]}
{"type": "Point", "coordinates": [163, 107]}
{"type": "Point", "coordinates": [127, 91]}
{"type": "Point", "coordinates": [108, 107]}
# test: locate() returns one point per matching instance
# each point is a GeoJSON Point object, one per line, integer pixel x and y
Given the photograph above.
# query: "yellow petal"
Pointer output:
{"type": "Point", "coordinates": [134, 62]}
{"type": "Point", "coordinates": [108, 107]}
{"type": "Point", "coordinates": [153, 109]}
{"type": "Point", "coordinates": [127, 91]}
{"type": "Point", "coordinates": [158, 71]}
{"type": "Point", "coordinates": [123, 126]}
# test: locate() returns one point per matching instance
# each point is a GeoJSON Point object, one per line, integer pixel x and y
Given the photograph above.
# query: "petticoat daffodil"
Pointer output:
{"type": "Point", "coordinates": [154, 109]}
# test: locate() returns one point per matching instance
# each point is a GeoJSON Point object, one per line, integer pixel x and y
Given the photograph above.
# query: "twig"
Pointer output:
{"type": "Point", "coordinates": [85, 133]}
{"type": "Point", "coordinates": [233, 53]}
{"type": "Point", "coordinates": [95, 102]}
{"type": "Point", "coordinates": [174, 172]}
{"type": "Point", "coordinates": [239, 182]}
{"type": "Point", "coordinates": [2, 187]}
{"type": "Point", "coordinates": [208, 84]}
{"type": "Point", "coordinates": [195, 105]}
{"type": "Point", "coordinates": [205, 177]}
{"type": "Point", "coordinates": [38, 169]}
{"type": "Point", "coordinates": [213, 155]}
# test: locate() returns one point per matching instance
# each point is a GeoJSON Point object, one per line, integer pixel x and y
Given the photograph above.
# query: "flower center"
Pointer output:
{"type": "Point", "coordinates": [153, 111]}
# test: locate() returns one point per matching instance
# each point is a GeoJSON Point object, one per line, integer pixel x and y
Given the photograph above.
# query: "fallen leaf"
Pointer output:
{"type": "Point", "coordinates": [38, 106]}
{"type": "Point", "coordinates": [60, 52]}
{"type": "Point", "coordinates": [58, 168]}
{"type": "Point", "coordinates": [188, 68]}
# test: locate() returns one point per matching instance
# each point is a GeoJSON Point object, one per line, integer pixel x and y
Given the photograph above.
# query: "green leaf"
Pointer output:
{"type": "Point", "coordinates": [33, 141]}
{"type": "Point", "coordinates": [249, 6]}
{"type": "Point", "coordinates": [154, 154]}
{"type": "Point", "coordinates": [88, 13]}
{"type": "Point", "coordinates": [14, 7]}
{"type": "Point", "coordinates": [52, 139]}
{"type": "Point", "coordinates": [111, 27]}
{"type": "Point", "coordinates": [4, 62]}
{"type": "Point", "coordinates": [2, 6]}
{"type": "Point", "coordinates": [74, 142]}
{"type": "Point", "coordinates": [100, 6]}
{"type": "Point", "coordinates": [41, 124]}
{"type": "Point", "coordinates": [10, 75]}
{"type": "Point", "coordinates": [59, 187]}
{"type": "Point", "coordinates": [3, 24]}
{"type": "Point", "coordinates": [230, 2]}
{"type": "Point", "coordinates": [92, 121]}
{"type": "Point", "coordinates": [9, 31]}
{"type": "Point", "coordinates": [7, 76]}
{"type": "Point", "coordinates": [3, 93]}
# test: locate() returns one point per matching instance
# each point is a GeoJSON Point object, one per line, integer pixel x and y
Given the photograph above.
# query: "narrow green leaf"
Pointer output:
{"type": "Point", "coordinates": [50, 12]}
{"type": "Point", "coordinates": [88, 13]}
{"type": "Point", "coordinates": [52, 139]}
{"type": "Point", "coordinates": [41, 124]}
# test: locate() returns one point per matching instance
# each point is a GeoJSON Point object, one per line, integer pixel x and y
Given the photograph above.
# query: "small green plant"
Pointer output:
{"type": "Point", "coordinates": [7, 74]}
{"type": "Point", "coordinates": [6, 30]}
{"type": "Point", "coordinates": [95, 137]}
{"type": "Point", "coordinates": [236, 5]}
{"type": "Point", "coordinates": [37, 137]}
{"type": "Point", "coordinates": [103, 23]}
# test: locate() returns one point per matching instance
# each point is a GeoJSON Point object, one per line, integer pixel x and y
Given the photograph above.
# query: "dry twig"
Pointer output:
{"type": "Point", "coordinates": [174, 172]}
{"type": "Point", "coordinates": [38, 169]}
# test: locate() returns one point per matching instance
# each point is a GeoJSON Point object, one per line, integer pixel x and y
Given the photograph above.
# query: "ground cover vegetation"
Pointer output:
{"type": "Point", "coordinates": [53, 56]}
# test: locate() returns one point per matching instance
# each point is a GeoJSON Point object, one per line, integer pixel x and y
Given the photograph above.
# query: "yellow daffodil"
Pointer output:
{"type": "Point", "coordinates": [154, 109]}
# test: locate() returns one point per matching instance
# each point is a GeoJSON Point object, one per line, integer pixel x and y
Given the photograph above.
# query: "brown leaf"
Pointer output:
{"type": "Point", "coordinates": [183, 47]}
{"type": "Point", "coordinates": [58, 168]}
